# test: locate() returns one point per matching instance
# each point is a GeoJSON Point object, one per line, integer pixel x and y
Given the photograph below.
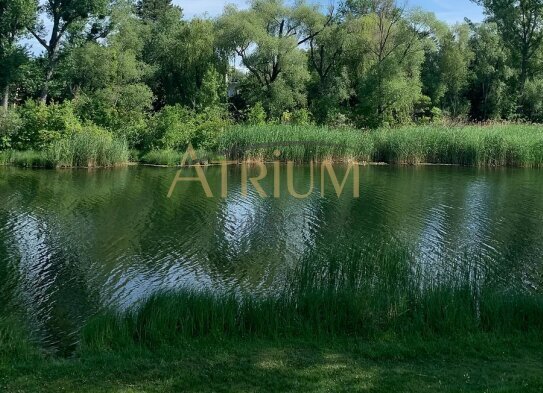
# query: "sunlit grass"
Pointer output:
{"type": "Point", "coordinates": [341, 295]}
{"type": "Point", "coordinates": [496, 145]}
{"type": "Point", "coordinates": [79, 150]}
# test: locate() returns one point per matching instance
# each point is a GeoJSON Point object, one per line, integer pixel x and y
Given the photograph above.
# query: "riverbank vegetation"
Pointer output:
{"type": "Point", "coordinates": [475, 364]}
{"type": "Point", "coordinates": [141, 74]}
{"type": "Point", "coordinates": [341, 294]}
{"type": "Point", "coordinates": [341, 319]}
{"type": "Point", "coordinates": [497, 145]}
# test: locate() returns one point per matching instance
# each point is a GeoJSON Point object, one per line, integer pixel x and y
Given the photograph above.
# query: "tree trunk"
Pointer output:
{"type": "Point", "coordinates": [51, 65]}
{"type": "Point", "coordinates": [523, 69]}
{"type": "Point", "coordinates": [45, 88]}
{"type": "Point", "coordinates": [5, 101]}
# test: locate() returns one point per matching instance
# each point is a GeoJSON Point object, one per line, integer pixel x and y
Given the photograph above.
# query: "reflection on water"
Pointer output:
{"type": "Point", "coordinates": [74, 241]}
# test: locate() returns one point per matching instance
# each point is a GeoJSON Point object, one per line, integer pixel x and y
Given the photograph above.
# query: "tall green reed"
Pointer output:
{"type": "Point", "coordinates": [333, 294]}
{"type": "Point", "coordinates": [498, 145]}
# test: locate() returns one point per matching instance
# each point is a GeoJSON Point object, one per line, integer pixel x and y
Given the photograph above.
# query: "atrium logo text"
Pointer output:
{"type": "Point", "coordinates": [326, 171]}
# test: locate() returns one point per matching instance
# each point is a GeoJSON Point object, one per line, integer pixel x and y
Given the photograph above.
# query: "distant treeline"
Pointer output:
{"type": "Point", "coordinates": [115, 65]}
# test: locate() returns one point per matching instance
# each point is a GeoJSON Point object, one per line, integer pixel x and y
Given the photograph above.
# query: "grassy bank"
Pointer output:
{"type": "Point", "coordinates": [339, 322]}
{"type": "Point", "coordinates": [79, 150]}
{"type": "Point", "coordinates": [497, 145]}
{"type": "Point", "coordinates": [474, 364]}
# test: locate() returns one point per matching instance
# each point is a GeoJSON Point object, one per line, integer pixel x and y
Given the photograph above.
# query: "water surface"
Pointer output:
{"type": "Point", "coordinates": [72, 242]}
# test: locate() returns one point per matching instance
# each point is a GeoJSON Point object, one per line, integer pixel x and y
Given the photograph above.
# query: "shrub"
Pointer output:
{"type": "Point", "coordinates": [120, 109]}
{"type": "Point", "coordinates": [10, 125]}
{"type": "Point", "coordinates": [175, 127]}
{"type": "Point", "coordinates": [301, 117]}
{"type": "Point", "coordinates": [43, 124]}
{"type": "Point", "coordinates": [532, 101]}
{"type": "Point", "coordinates": [256, 115]}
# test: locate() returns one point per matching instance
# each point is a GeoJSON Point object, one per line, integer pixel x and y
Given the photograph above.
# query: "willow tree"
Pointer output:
{"type": "Point", "coordinates": [267, 38]}
{"type": "Point", "coordinates": [330, 84]}
{"type": "Point", "coordinates": [387, 63]}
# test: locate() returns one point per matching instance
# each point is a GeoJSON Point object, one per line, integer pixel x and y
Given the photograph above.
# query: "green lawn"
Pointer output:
{"type": "Point", "coordinates": [478, 364]}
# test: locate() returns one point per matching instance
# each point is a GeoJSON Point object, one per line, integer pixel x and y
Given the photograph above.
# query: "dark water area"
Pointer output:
{"type": "Point", "coordinates": [74, 242]}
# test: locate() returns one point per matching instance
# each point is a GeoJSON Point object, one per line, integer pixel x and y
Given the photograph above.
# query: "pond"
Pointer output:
{"type": "Point", "coordinates": [76, 241]}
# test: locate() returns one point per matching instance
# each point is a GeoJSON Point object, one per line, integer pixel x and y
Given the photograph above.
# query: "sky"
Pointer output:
{"type": "Point", "coordinates": [451, 11]}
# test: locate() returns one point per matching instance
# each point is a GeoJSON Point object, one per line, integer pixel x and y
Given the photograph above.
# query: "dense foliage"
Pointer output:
{"type": "Point", "coordinates": [140, 72]}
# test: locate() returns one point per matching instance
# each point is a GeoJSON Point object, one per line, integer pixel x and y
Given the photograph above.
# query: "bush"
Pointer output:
{"type": "Point", "coordinates": [256, 115]}
{"type": "Point", "coordinates": [301, 117]}
{"type": "Point", "coordinates": [120, 109]}
{"type": "Point", "coordinates": [43, 124]}
{"type": "Point", "coordinates": [162, 157]}
{"type": "Point", "coordinates": [532, 101]}
{"type": "Point", "coordinates": [175, 127]}
{"type": "Point", "coordinates": [10, 125]}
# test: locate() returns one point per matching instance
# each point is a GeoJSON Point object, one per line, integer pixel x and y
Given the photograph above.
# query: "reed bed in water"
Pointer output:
{"type": "Point", "coordinates": [80, 150]}
{"type": "Point", "coordinates": [343, 295]}
{"type": "Point", "coordinates": [497, 145]}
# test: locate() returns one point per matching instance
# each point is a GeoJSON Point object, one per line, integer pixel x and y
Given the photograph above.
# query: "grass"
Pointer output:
{"type": "Point", "coordinates": [513, 145]}
{"type": "Point", "coordinates": [474, 364]}
{"type": "Point", "coordinates": [339, 322]}
{"type": "Point", "coordinates": [340, 295]}
{"type": "Point", "coordinates": [497, 145]}
{"type": "Point", "coordinates": [310, 143]}
{"type": "Point", "coordinates": [80, 150]}
{"type": "Point", "coordinates": [173, 158]}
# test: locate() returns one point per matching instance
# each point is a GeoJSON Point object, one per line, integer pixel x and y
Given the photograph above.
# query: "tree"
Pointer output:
{"type": "Point", "coordinates": [267, 38]}
{"type": "Point", "coordinates": [329, 86]}
{"type": "Point", "coordinates": [520, 23]}
{"type": "Point", "coordinates": [15, 16]}
{"type": "Point", "coordinates": [65, 15]}
{"type": "Point", "coordinates": [455, 56]}
{"type": "Point", "coordinates": [107, 80]}
{"type": "Point", "coordinates": [489, 74]}
{"type": "Point", "coordinates": [212, 92]}
{"type": "Point", "coordinates": [153, 10]}
{"type": "Point", "coordinates": [386, 64]}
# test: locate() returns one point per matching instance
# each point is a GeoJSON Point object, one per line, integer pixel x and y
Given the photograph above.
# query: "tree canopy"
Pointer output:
{"type": "Point", "coordinates": [367, 63]}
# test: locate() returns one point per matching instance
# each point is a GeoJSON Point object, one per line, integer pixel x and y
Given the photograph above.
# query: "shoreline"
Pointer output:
{"type": "Point", "coordinates": [267, 162]}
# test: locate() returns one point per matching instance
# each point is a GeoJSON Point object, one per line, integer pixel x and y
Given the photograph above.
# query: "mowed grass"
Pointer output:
{"type": "Point", "coordinates": [473, 364]}
{"type": "Point", "coordinates": [497, 145]}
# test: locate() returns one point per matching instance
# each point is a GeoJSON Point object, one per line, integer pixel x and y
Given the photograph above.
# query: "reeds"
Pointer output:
{"type": "Point", "coordinates": [80, 150]}
{"type": "Point", "coordinates": [496, 145]}
{"type": "Point", "coordinates": [349, 294]}
{"type": "Point", "coordinates": [88, 150]}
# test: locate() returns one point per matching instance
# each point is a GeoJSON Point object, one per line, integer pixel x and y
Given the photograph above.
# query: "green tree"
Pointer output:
{"type": "Point", "coordinates": [66, 16]}
{"type": "Point", "coordinates": [329, 86]}
{"type": "Point", "coordinates": [386, 63]}
{"type": "Point", "coordinates": [267, 38]}
{"type": "Point", "coordinates": [153, 10]}
{"type": "Point", "coordinates": [455, 57]}
{"type": "Point", "coordinates": [180, 54]}
{"type": "Point", "coordinates": [15, 17]}
{"type": "Point", "coordinates": [521, 24]}
{"type": "Point", "coordinates": [107, 79]}
{"type": "Point", "coordinates": [212, 92]}
{"type": "Point", "coordinates": [489, 74]}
